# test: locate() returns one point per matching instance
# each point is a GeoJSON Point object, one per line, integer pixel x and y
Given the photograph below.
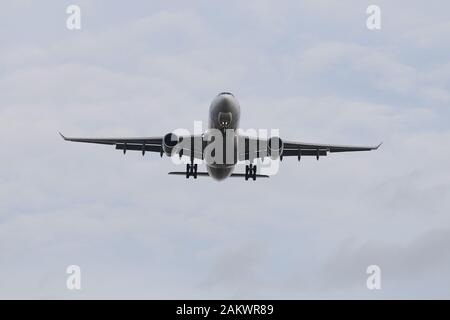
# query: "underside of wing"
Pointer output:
{"type": "Point", "coordinates": [152, 144]}
{"type": "Point", "coordinates": [248, 147]}
{"type": "Point", "coordinates": [189, 146]}
{"type": "Point", "coordinates": [289, 145]}
{"type": "Point", "coordinates": [254, 148]}
{"type": "Point", "coordinates": [115, 141]}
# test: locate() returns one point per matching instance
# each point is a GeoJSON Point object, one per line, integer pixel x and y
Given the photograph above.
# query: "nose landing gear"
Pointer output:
{"type": "Point", "coordinates": [250, 172]}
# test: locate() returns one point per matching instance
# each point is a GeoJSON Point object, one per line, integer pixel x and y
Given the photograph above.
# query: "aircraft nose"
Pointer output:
{"type": "Point", "coordinates": [225, 119]}
{"type": "Point", "coordinates": [225, 102]}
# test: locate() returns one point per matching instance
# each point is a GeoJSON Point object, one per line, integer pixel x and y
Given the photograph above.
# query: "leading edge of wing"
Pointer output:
{"type": "Point", "coordinates": [112, 141]}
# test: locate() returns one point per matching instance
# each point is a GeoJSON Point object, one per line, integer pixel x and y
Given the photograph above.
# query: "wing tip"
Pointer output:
{"type": "Point", "coordinates": [62, 136]}
{"type": "Point", "coordinates": [376, 148]}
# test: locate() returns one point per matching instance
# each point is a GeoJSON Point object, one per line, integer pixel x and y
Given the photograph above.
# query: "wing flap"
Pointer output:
{"type": "Point", "coordinates": [138, 147]}
{"type": "Point", "coordinates": [304, 152]}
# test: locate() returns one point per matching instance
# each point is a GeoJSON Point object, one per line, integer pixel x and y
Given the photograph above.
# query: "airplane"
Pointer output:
{"type": "Point", "coordinates": [222, 146]}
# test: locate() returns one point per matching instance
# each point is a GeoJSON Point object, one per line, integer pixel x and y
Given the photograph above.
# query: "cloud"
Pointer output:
{"type": "Point", "coordinates": [311, 69]}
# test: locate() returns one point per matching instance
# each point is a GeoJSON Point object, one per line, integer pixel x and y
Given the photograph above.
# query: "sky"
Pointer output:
{"type": "Point", "coordinates": [311, 69]}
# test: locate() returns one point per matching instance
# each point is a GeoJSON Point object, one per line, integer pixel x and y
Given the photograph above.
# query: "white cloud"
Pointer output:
{"type": "Point", "coordinates": [137, 232]}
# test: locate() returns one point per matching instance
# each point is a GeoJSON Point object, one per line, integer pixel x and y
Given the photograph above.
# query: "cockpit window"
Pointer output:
{"type": "Point", "coordinates": [225, 119]}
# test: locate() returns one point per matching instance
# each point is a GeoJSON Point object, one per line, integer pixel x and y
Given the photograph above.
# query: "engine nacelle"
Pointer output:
{"type": "Point", "coordinates": [170, 140]}
{"type": "Point", "coordinates": [275, 148]}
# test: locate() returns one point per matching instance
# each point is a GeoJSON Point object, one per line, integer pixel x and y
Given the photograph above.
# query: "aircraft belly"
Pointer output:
{"type": "Point", "coordinates": [220, 171]}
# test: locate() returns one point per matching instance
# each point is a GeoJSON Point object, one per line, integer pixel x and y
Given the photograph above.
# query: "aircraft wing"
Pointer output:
{"type": "Point", "coordinates": [290, 145]}
{"type": "Point", "coordinates": [299, 149]}
{"type": "Point", "coordinates": [188, 146]}
{"type": "Point", "coordinates": [249, 147]}
{"type": "Point", "coordinates": [254, 148]}
{"type": "Point", "coordinates": [153, 144]}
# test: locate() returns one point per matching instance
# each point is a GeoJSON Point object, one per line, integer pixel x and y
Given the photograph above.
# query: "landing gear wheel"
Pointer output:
{"type": "Point", "coordinates": [188, 171]}
{"type": "Point", "coordinates": [191, 170]}
{"type": "Point", "coordinates": [195, 171]}
{"type": "Point", "coordinates": [250, 172]}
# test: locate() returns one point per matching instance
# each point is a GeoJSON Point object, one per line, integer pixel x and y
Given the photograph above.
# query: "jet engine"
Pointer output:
{"type": "Point", "coordinates": [275, 148]}
{"type": "Point", "coordinates": [170, 140]}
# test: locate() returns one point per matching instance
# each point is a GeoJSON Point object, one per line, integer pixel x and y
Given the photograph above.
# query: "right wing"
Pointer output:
{"type": "Point", "coordinates": [153, 144]}
{"type": "Point", "coordinates": [190, 146]}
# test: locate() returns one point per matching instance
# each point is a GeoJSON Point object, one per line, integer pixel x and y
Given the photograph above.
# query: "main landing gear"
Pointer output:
{"type": "Point", "coordinates": [191, 170]}
{"type": "Point", "coordinates": [250, 172]}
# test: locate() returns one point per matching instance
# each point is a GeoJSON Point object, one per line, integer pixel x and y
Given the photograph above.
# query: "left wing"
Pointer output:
{"type": "Point", "coordinates": [289, 145]}
{"type": "Point", "coordinates": [299, 149]}
{"type": "Point", "coordinates": [254, 148]}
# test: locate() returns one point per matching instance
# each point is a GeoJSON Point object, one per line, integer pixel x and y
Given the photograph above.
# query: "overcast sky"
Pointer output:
{"type": "Point", "coordinates": [311, 69]}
